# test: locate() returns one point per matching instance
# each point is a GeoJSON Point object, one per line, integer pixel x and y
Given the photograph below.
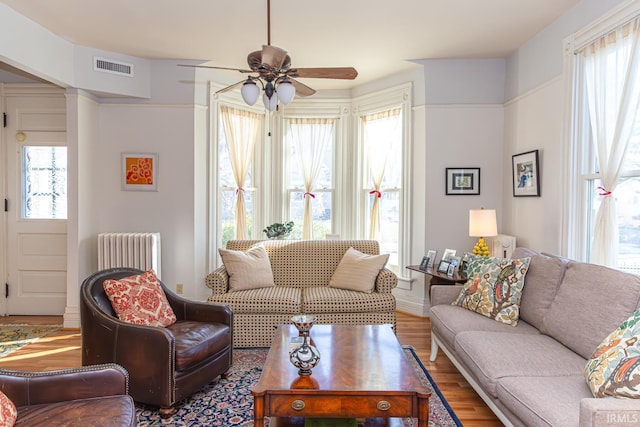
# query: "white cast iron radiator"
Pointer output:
{"type": "Point", "coordinates": [136, 250]}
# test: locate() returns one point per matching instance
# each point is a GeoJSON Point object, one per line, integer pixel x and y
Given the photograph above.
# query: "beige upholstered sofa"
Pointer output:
{"type": "Point", "coordinates": [302, 270]}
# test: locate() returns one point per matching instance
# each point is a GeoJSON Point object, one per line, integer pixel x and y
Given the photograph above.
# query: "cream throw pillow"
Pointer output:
{"type": "Point", "coordinates": [358, 271]}
{"type": "Point", "coordinates": [247, 270]}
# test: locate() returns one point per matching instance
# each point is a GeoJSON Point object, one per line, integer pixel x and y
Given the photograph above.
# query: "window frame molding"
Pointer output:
{"type": "Point", "coordinates": [324, 108]}
{"type": "Point", "coordinates": [399, 96]}
{"type": "Point", "coordinates": [576, 176]}
{"type": "Point", "coordinates": [216, 100]}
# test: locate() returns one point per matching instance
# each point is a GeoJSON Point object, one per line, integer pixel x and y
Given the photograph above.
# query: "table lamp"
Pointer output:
{"type": "Point", "coordinates": [482, 223]}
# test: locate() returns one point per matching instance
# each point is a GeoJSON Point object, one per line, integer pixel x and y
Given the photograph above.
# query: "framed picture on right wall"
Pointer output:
{"type": "Point", "coordinates": [526, 175]}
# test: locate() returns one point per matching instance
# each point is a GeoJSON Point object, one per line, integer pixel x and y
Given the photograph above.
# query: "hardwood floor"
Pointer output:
{"type": "Point", "coordinates": [62, 349]}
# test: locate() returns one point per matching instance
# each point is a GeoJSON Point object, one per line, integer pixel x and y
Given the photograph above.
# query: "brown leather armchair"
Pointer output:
{"type": "Point", "coordinates": [88, 396]}
{"type": "Point", "coordinates": [165, 365]}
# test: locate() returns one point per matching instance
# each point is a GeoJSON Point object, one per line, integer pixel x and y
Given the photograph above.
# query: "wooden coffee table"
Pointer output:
{"type": "Point", "coordinates": [363, 373]}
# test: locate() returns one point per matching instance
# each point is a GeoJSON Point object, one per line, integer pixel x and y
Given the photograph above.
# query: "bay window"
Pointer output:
{"type": "Point", "coordinates": [332, 166]}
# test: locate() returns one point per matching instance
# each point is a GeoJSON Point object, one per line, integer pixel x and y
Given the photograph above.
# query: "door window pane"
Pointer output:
{"type": "Point", "coordinates": [44, 182]}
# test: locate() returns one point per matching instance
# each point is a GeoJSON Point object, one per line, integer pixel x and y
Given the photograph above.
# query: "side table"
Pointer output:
{"type": "Point", "coordinates": [437, 278]}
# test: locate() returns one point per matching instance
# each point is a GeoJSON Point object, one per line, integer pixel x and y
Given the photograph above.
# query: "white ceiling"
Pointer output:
{"type": "Point", "coordinates": [377, 37]}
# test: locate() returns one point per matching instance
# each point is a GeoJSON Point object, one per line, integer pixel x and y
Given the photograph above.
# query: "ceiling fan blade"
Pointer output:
{"type": "Point", "coordinates": [232, 87]}
{"type": "Point", "coordinates": [302, 89]}
{"type": "Point", "coordinates": [273, 56]}
{"type": "Point", "coordinates": [216, 68]}
{"type": "Point", "coordinates": [348, 73]}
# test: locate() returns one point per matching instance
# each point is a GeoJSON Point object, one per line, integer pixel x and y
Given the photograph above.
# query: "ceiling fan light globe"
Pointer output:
{"type": "Point", "coordinates": [270, 103]}
{"type": "Point", "coordinates": [250, 92]}
{"type": "Point", "coordinates": [286, 91]}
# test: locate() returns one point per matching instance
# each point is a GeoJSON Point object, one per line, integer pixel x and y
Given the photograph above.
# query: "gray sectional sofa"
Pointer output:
{"type": "Point", "coordinates": [533, 374]}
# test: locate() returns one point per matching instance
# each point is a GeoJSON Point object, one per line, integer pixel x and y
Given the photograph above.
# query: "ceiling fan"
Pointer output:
{"type": "Point", "coordinates": [276, 76]}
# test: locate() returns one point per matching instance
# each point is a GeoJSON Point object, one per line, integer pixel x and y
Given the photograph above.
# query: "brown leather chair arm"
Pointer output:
{"type": "Point", "coordinates": [149, 354]}
{"type": "Point", "coordinates": [186, 309]}
{"type": "Point", "coordinates": [33, 388]}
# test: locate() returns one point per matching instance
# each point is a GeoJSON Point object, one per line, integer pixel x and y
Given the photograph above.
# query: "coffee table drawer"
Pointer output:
{"type": "Point", "coordinates": [345, 405]}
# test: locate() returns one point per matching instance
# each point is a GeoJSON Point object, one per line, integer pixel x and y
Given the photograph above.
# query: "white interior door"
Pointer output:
{"type": "Point", "coordinates": [36, 177]}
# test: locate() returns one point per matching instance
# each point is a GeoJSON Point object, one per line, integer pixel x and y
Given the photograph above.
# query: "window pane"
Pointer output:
{"type": "Point", "coordinates": [389, 223]}
{"type": "Point", "coordinates": [321, 212]}
{"type": "Point", "coordinates": [228, 212]}
{"type": "Point", "coordinates": [628, 208]}
{"type": "Point", "coordinates": [310, 146]}
{"type": "Point", "coordinates": [299, 150]}
{"type": "Point", "coordinates": [44, 182]}
{"type": "Point", "coordinates": [627, 196]}
{"type": "Point", "coordinates": [383, 147]}
{"type": "Point", "coordinates": [632, 158]}
{"type": "Point", "coordinates": [225, 172]}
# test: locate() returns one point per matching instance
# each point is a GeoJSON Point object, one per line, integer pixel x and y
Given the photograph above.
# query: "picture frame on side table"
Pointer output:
{"type": "Point", "coordinates": [448, 253]}
{"type": "Point", "coordinates": [464, 264]}
{"type": "Point", "coordinates": [526, 174]}
{"type": "Point", "coordinates": [424, 264]}
{"type": "Point", "coordinates": [456, 261]}
{"type": "Point", "coordinates": [462, 181]}
{"type": "Point", "coordinates": [443, 267]}
{"type": "Point", "coordinates": [431, 254]}
{"type": "Point", "coordinates": [139, 171]}
{"type": "Point", "coordinates": [452, 269]}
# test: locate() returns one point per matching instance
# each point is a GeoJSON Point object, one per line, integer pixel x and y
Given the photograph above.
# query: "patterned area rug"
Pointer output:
{"type": "Point", "coordinates": [14, 337]}
{"type": "Point", "coordinates": [230, 403]}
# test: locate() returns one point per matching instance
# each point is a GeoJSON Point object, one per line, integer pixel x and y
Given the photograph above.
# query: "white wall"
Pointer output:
{"type": "Point", "coordinates": [167, 130]}
{"type": "Point", "coordinates": [82, 224]}
{"type": "Point", "coordinates": [464, 128]}
{"type": "Point", "coordinates": [534, 119]}
{"type": "Point", "coordinates": [461, 136]}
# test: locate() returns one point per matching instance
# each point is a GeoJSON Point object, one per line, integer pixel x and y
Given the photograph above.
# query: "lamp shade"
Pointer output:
{"type": "Point", "coordinates": [270, 103]}
{"type": "Point", "coordinates": [286, 91]}
{"type": "Point", "coordinates": [250, 92]}
{"type": "Point", "coordinates": [483, 223]}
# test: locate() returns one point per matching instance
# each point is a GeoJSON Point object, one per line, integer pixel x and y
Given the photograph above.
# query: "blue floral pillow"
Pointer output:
{"type": "Point", "coordinates": [494, 287]}
{"type": "Point", "coordinates": [614, 368]}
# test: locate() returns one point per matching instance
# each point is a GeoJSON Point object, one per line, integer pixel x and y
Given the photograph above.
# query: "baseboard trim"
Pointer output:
{"type": "Point", "coordinates": [71, 318]}
{"type": "Point", "coordinates": [410, 307]}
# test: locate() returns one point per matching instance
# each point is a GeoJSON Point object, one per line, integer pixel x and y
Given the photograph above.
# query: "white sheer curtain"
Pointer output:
{"type": "Point", "coordinates": [241, 132]}
{"type": "Point", "coordinates": [612, 76]}
{"type": "Point", "coordinates": [380, 131]}
{"type": "Point", "coordinates": [311, 138]}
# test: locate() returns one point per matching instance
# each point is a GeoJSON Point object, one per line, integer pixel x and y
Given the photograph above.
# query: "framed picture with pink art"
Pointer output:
{"type": "Point", "coordinates": [140, 171]}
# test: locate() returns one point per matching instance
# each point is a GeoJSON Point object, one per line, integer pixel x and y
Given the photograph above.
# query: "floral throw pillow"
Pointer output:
{"type": "Point", "coordinates": [140, 299]}
{"type": "Point", "coordinates": [8, 412]}
{"type": "Point", "coordinates": [494, 288]}
{"type": "Point", "coordinates": [614, 368]}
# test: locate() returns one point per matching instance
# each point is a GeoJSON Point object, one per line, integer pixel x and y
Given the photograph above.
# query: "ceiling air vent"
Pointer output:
{"type": "Point", "coordinates": [111, 66]}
